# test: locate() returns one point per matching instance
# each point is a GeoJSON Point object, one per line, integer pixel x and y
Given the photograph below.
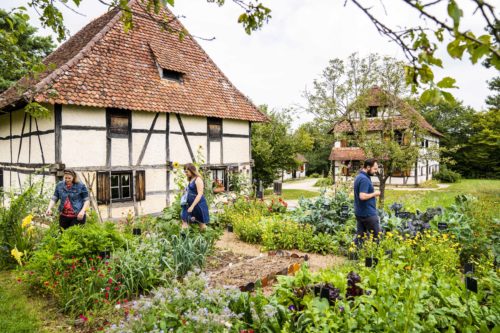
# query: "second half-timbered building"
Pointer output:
{"type": "Point", "coordinates": [123, 107]}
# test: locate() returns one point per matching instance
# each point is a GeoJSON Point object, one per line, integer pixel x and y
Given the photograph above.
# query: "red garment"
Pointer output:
{"type": "Point", "coordinates": [68, 208]}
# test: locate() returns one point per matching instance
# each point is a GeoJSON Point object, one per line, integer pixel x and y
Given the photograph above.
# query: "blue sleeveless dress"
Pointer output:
{"type": "Point", "coordinates": [200, 211]}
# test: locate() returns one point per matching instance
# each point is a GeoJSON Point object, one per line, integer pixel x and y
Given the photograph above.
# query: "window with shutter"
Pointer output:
{"type": "Point", "coordinates": [140, 185]}
{"type": "Point", "coordinates": [103, 190]}
{"type": "Point", "coordinates": [214, 129]}
{"type": "Point", "coordinates": [118, 122]}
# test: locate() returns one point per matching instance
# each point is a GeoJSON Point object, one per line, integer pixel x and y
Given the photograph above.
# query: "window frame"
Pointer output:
{"type": "Point", "coordinates": [214, 172]}
{"type": "Point", "coordinates": [214, 122]}
{"type": "Point", "coordinates": [171, 75]}
{"type": "Point", "coordinates": [120, 186]}
{"type": "Point", "coordinates": [372, 112]}
{"type": "Point", "coordinates": [118, 113]}
{"type": "Point", "coordinates": [1, 180]}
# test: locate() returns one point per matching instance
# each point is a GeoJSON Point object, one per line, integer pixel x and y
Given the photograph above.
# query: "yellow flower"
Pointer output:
{"type": "Point", "coordinates": [26, 221]}
{"type": "Point", "coordinates": [175, 165]}
{"type": "Point", "coordinates": [30, 230]}
{"type": "Point", "coordinates": [389, 234]}
{"type": "Point", "coordinates": [408, 268]}
{"type": "Point", "coordinates": [445, 236]}
{"type": "Point", "coordinates": [17, 255]}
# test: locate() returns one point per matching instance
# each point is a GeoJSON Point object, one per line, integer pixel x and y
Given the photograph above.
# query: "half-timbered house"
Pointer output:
{"type": "Point", "coordinates": [380, 116]}
{"type": "Point", "coordinates": [123, 107]}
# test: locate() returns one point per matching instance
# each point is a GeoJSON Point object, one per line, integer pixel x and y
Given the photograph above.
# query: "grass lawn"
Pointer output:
{"type": "Point", "coordinates": [291, 194]}
{"type": "Point", "coordinates": [486, 190]}
{"type": "Point", "coordinates": [20, 313]}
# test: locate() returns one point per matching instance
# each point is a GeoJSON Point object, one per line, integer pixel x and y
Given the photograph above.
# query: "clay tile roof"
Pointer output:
{"type": "Point", "coordinates": [104, 66]}
{"type": "Point", "coordinates": [301, 158]}
{"type": "Point", "coordinates": [376, 97]}
{"type": "Point", "coordinates": [347, 154]}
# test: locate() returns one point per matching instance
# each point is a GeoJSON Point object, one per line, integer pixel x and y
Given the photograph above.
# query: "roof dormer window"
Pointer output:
{"type": "Point", "coordinates": [372, 112]}
{"type": "Point", "coordinates": [171, 75]}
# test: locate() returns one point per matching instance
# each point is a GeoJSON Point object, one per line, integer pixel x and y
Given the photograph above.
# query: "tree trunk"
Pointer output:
{"type": "Point", "coordinates": [382, 181]}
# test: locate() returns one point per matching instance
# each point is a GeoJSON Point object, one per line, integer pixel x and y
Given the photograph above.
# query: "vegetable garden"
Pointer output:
{"type": "Point", "coordinates": [432, 270]}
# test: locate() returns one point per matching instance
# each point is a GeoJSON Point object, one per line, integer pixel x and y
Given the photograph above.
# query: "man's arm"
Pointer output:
{"type": "Point", "coordinates": [363, 191]}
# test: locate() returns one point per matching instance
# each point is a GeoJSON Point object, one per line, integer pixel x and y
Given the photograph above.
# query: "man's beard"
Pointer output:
{"type": "Point", "coordinates": [371, 173]}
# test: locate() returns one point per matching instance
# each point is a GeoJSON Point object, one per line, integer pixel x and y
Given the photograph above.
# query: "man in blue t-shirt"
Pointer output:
{"type": "Point", "coordinates": [365, 205]}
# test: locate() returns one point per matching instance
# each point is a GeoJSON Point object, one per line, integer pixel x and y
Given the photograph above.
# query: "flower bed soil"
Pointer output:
{"type": "Point", "coordinates": [263, 268]}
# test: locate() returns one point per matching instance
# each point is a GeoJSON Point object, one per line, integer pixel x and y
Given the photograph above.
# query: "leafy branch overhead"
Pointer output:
{"type": "Point", "coordinates": [439, 27]}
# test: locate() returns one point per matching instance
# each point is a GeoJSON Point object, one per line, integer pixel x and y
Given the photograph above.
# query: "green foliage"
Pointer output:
{"type": "Point", "coordinates": [188, 252]}
{"type": "Point", "coordinates": [21, 48]}
{"type": "Point", "coordinates": [493, 101]}
{"type": "Point", "coordinates": [13, 235]}
{"type": "Point", "coordinates": [314, 175]}
{"type": "Point", "coordinates": [419, 289]}
{"type": "Point", "coordinates": [274, 147]}
{"type": "Point", "coordinates": [324, 212]}
{"type": "Point", "coordinates": [446, 175]}
{"type": "Point", "coordinates": [324, 182]}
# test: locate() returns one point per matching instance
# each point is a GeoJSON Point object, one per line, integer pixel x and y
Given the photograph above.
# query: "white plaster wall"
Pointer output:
{"type": "Point", "coordinates": [119, 152]}
{"type": "Point", "coordinates": [178, 149]}
{"type": "Point", "coordinates": [230, 126]}
{"type": "Point", "coordinates": [155, 152]}
{"type": "Point", "coordinates": [83, 148]}
{"type": "Point", "coordinates": [199, 143]}
{"type": "Point", "coordinates": [156, 180]}
{"type": "Point", "coordinates": [144, 120]}
{"type": "Point", "coordinates": [215, 153]}
{"type": "Point", "coordinates": [191, 124]}
{"type": "Point", "coordinates": [236, 150]}
{"type": "Point", "coordinates": [83, 116]}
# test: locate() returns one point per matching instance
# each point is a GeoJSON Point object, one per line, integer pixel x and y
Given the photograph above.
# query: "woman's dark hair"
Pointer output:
{"type": "Point", "coordinates": [73, 174]}
{"type": "Point", "coordinates": [369, 163]}
{"type": "Point", "coordinates": [192, 169]}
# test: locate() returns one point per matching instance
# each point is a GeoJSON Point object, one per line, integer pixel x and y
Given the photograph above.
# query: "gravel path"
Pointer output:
{"type": "Point", "coordinates": [303, 184]}
{"type": "Point", "coordinates": [230, 242]}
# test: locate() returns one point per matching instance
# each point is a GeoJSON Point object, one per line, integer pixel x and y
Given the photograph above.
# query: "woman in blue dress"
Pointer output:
{"type": "Point", "coordinates": [194, 204]}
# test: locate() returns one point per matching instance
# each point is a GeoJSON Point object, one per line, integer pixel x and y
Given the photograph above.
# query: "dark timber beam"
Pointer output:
{"type": "Point", "coordinates": [185, 137]}
{"type": "Point", "coordinates": [148, 137]}
{"type": "Point", "coordinates": [57, 132]}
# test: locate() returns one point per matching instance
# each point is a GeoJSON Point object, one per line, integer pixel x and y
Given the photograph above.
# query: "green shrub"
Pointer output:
{"type": "Point", "coordinates": [324, 182]}
{"type": "Point", "coordinates": [13, 235]}
{"type": "Point", "coordinates": [446, 175]}
{"type": "Point", "coordinates": [248, 228]}
{"type": "Point", "coordinates": [314, 175]}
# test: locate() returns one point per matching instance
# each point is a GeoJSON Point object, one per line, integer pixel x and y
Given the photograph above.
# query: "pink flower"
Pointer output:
{"type": "Point", "coordinates": [82, 317]}
{"type": "Point", "coordinates": [107, 288]}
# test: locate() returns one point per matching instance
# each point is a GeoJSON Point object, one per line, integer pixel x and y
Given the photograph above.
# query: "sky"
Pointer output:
{"type": "Point", "coordinates": [276, 64]}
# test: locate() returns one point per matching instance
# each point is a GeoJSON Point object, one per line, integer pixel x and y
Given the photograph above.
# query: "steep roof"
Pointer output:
{"type": "Point", "coordinates": [377, 97]}
{"type": "Point", "coordinates": [301, 158]}
{"type": "Point", "coordinates": [104, 66]}
{"type": "Point", "coordinates": [347, 154]}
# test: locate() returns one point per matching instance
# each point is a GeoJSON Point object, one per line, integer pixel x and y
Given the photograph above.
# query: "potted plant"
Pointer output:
{"type": "Point", "coordinates": [218, 186]}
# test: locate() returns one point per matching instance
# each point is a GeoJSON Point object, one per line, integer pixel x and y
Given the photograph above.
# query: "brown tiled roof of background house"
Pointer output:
{"type": "Point", "coordinates": [347, 154]}
{"type": "Point", "coordinates": [104, 66]}
{"type": "Point", "coordinates": [301, 158]}
{"type": "Point", "coordinates": [376, 97]}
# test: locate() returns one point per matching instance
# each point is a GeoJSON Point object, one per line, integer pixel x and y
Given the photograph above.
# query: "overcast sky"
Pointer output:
{"type": "Point", "coordinates": [274, 65]}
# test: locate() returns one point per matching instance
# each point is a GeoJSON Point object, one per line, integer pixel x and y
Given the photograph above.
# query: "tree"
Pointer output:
{"type": "Point", "coordinates": [455, 121]}
{"type": "Point", "coordinates": [493, 101]}
{"type": "Point", "coordinates": [420, 43]}
{"type": "Point", "coordinates": [21, 48]}
{"type": "Point", "coordinates": [274, 147]}
{"type": "Point", "coordinates": [343, 94]}
{"type": "Point", "coordinates": [319, 153]}
{"type": "Point", "coordinates": [484, 145]}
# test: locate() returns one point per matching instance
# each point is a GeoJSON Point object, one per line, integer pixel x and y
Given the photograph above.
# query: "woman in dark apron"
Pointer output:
{"type": "Point", "coordinates": [193, 202]}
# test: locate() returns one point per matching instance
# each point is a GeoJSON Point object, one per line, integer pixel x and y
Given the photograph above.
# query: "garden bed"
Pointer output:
{"type": "Point", "coordinates": [262, 268]}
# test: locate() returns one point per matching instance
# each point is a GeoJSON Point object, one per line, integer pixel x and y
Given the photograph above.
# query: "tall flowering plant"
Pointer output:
{"type": "Point", "coordinates": [277, 206]}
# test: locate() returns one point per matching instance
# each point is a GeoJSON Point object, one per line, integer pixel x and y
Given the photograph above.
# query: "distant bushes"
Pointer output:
{"type": "Point", "coordinates": [323, 182]}
{"type": "Point", "coordinates": [314, 175]}
{"type": "Point", "coordinates": [446, 175]}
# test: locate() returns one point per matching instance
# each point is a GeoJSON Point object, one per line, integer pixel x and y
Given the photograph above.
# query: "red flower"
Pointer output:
{"type": "Point", "coordinates": [101, 275]}
{"type": "Point", "coordinates": [117, 288]}
{"type": "Point", "coordinates": [99, 257]}
{"type": "Point", "coordinates": [125, 301]}
{"type": "Point", "coordinates": [117, 302]}
{"type": "Point", "coordinates": [58, 273]}
{"type": "Point", "coordinates": [46, 283]}
{"type": "Point", "coordinates": [107, 288]}
{"type": "Point", "coordinates": [19, 280]}
{"type": "Point", "coordinates": [82, 317]}
{"type": "Point", "coordinates": [92, 269]}
{"type": "Point", "coordinates": [91, 259]}
{"type": "Point", "coordinates": [106, 296]}
{"type": "Point", "coordinates": [110, 280]}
